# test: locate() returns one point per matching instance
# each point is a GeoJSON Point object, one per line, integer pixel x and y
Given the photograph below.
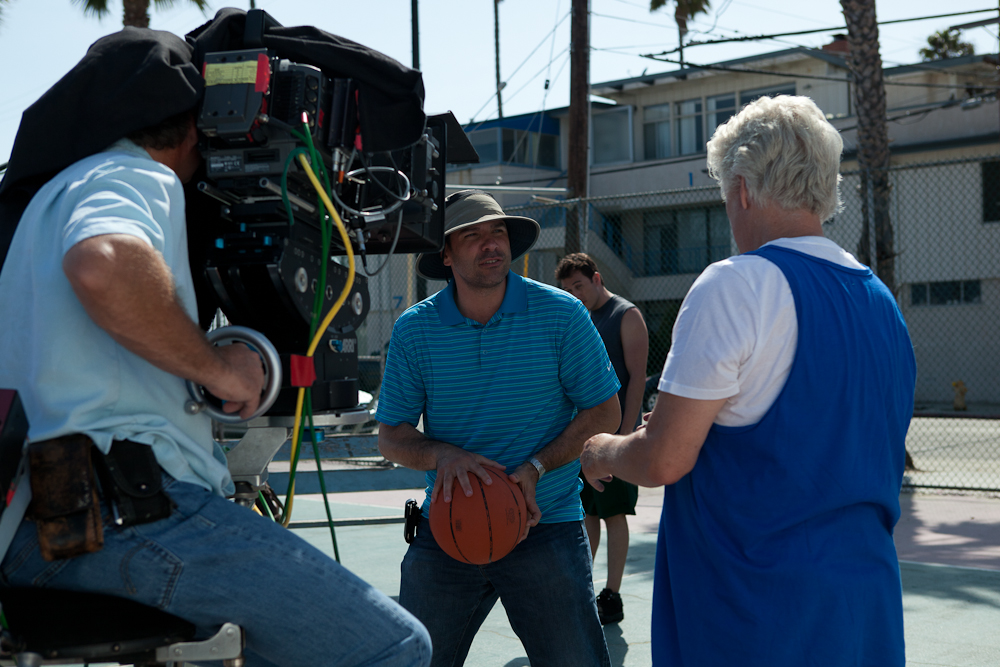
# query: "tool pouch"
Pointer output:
{"type": "Point", "coordinates": [64, 505]}
{"type": "Point", "coordinates": [132, 481]}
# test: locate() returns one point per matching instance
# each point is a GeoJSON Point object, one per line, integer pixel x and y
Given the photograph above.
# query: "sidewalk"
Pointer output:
{"type": "Point", "coordinates": [949, 550]}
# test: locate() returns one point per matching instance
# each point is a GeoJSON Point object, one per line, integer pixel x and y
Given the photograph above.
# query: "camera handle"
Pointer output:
{"type": "Point", "coordinates": [272, 373]}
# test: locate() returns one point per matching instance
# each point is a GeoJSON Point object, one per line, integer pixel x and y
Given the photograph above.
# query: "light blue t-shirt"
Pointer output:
{"type": "Point", "coordinates": [71, 375]}
{"type": "Point", "coordinates": [504, 389]}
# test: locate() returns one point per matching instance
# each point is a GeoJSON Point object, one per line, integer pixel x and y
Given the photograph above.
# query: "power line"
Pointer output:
{"type": "Point", "coordinates": [549, 81]}
{"type": "Point", "coordinates": [754, 38]}
{"type": "Point", "coordinates": [621, 18]}
{"type": "Point", "coordinates": [538, 73]}
{"type": "Point", "coordinates": [924, 66]}
{"type": "Point", "coordinates": [550, 33]}
{"type": "Point", "coordinates": [523, 63]}
{"type": "Point", "coordinates": [818, 77]}
{"type": "Point", "coordinates": [528, 82]}
{"type": "Point", "coordinates": [922, 113]}
{"type": "Point", "coordinates": [719, 12]}
{"type": "Point", "coordinates": [632, 4]}
{"type": "Point", "coordinates": [976, 83]}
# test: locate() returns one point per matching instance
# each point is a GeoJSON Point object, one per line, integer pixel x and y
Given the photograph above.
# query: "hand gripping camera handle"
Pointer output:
{"type": "Point", "coordinates": [272, 372]}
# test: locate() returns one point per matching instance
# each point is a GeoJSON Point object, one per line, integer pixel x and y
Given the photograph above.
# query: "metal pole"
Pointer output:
{"type": "Point", "coordinates": [421, 283]}
{"type": "Point", "coordinates": [872, 247]}
{"type": "Point", "coordinates": [496, 39]}
{"type": "Point", "coordinates": [579, 131]}
{"type": "Point", "coordinates": [415, 22]}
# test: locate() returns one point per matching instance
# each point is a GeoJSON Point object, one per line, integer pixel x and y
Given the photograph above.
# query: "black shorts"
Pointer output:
{"type": "Point", "coordinates": [618, 497]}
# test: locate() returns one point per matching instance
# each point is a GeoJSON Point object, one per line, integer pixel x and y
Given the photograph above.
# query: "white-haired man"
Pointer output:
{"type": "Point", "coordinates": [779, 431]}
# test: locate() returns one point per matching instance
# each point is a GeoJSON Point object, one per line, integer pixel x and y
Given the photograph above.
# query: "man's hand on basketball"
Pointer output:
{"type": "Point", "coordinates": [592, 465]}
{"type": "Point", "coordinates": [454, 463]}
{"type": "Point", "coordinates": [526, 476]}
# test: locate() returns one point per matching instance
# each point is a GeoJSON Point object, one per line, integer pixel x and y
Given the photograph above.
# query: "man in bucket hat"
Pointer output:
{"type": "Point", "coordinates": [510, 373]}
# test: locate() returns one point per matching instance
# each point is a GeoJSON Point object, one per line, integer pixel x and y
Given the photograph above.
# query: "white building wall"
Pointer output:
{"type": "Point", "coordinates": [957, 342]}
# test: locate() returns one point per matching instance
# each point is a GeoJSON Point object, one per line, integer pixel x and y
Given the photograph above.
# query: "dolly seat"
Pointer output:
{"type": "Point", "coordinates": [50, 627]}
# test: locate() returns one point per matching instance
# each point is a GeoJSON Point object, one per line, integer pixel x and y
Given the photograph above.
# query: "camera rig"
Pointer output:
{"type": "Point", "coordinates": [258, 225]}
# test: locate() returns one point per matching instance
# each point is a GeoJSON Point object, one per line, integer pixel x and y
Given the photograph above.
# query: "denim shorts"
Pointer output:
{"type": "Point", "coordinates": [213, 561]}
{"type": "Point", "coordinates": [544, 584]}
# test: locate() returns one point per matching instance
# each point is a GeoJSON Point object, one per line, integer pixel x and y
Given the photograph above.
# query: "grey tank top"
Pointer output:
{"type": "Point", "coordinates": [608, 320]}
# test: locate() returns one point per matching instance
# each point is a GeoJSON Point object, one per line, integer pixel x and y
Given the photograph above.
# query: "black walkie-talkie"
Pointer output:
{"type": "Point", "coordinates": [411, 512]}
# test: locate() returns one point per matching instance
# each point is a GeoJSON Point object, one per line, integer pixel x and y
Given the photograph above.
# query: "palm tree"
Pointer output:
{"type": "Point", "coordinates": [136, 12]}
{"type": "Point", "coordinates": [683, 10]}
{"type": "Point", "coordinates": [946, 44]}
{"type": "Point", "coordinates": [873, 143]}
{"type": "Point", "coordinates": [873, 138]}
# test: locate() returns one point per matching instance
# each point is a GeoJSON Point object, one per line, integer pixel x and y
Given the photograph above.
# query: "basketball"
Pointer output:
{"type": "Point", "coordinates": [481, 528]}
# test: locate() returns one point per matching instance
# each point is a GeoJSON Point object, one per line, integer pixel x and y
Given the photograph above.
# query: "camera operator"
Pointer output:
{"type": "Point", "coordinates": [98, 335]}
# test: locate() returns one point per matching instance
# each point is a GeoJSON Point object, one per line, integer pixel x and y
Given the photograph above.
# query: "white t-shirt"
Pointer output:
{"type": "Point", "coordinates": [736, 332]}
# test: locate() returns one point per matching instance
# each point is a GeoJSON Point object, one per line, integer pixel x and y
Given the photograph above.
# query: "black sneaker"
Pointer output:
{"type": "Point", "coordinates": [609, 607]}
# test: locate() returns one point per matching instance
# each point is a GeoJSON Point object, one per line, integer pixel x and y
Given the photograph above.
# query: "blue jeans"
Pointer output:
{"type": "Point", "coordinates": [214, 561]}
{"type": "Point", "coordinates": [545, 585]}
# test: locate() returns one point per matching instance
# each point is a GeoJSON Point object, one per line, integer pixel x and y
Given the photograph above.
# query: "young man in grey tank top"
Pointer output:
{"type": "Point", "coordinates": [623, 331]}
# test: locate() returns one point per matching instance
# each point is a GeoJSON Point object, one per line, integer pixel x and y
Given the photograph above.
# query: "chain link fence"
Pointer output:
{"type": "Point", "coordinates": [651, 246]}
{"type": "Point", "coordinates": [945, 219]}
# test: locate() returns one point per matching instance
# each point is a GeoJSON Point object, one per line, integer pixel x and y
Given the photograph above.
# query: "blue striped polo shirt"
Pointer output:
{"type": "Point", "coordinates": [504, 389]}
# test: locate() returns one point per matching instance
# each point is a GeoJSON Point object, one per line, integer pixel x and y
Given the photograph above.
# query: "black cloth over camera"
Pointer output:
{"type": "Point", "coordinates": [390, 95]}
{"type": "Point", "coordinates": [127, 81]}
{"type": "Point", "coordinates": [138, 77]}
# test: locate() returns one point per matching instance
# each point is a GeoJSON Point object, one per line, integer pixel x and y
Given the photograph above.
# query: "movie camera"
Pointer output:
{"type": "Point", "coordinates": [262, 229]}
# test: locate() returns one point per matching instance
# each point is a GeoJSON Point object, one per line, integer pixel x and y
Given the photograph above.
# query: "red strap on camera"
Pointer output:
{"type": "Point", "coordinates": [303, 371]}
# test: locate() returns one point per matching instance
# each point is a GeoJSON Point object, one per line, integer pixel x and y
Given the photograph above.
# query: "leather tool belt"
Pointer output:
{"type": "Point", "coordinates": [69, 475]}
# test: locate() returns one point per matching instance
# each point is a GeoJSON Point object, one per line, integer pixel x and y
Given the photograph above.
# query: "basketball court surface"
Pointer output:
{"type": "Point", "coordinates": [948, 546]}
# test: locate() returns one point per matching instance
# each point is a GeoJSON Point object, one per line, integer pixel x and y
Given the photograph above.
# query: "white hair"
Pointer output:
{"type": "Point", "coordinates": [785, 150]}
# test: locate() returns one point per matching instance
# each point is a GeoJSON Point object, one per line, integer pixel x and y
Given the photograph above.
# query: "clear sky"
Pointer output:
{"type": "Point", "coordinates": [40, 40]}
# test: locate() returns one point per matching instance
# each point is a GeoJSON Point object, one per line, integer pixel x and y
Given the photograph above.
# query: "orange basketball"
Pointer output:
{"type": "Point", "coordinates": [481, 528]}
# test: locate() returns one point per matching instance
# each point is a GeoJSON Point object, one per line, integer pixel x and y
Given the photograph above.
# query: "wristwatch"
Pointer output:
{"type": "Point", "coordinates": [538, 466]}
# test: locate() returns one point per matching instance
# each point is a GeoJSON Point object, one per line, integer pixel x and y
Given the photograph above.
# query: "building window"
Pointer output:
{"type": "Point", "coordinates": [547, 153]}
{"type": "Point", "coordinates": [690, 134]}
{"type": "Point", "coordinates": [610, 229]}
{"type": "Point", "coordinates": [748, 96]}
{"type": "Point", "coordinates": [656, 131]}
{"type": "Point", "coordinates": [522, 147]}
{"type": "Point", "coordinates": [949, 293]}
{"type": "Point", "coordinates": [684, 240]}
{"type": "Point", "coordinates": [720, 109]}
{"type": "Point", "coordinates": [991, 191]}
{"type": "Point", "coordinates": [516, 146]}
{"type": "Point", "coordinates": [529, 148]}
{"type": "Point", "coordinates": [612, 136]}
{"type": "Point", "coordinates": [485, 143]}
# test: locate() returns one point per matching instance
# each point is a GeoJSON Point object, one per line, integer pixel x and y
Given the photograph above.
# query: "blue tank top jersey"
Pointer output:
{"type": "Point", "coordinates": [776, 549]}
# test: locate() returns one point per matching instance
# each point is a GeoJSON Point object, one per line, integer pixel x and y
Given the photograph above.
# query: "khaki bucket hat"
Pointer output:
{"type": "Point", "coordinates": [471, 207]}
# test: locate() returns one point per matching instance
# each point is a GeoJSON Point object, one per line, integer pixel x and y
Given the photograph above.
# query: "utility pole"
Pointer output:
{"type": "Point", "coordinates": [421, 285]}
{"type": "Point", "coordinates": [579, 131]}
{"type": "Point", "coordinates": [415, 22]}
{"type": "Point", "coordinates": [496, 40]}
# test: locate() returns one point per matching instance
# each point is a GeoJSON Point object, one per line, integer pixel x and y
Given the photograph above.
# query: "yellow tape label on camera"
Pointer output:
{"type": "Point", "coordinates": [221, 74]}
